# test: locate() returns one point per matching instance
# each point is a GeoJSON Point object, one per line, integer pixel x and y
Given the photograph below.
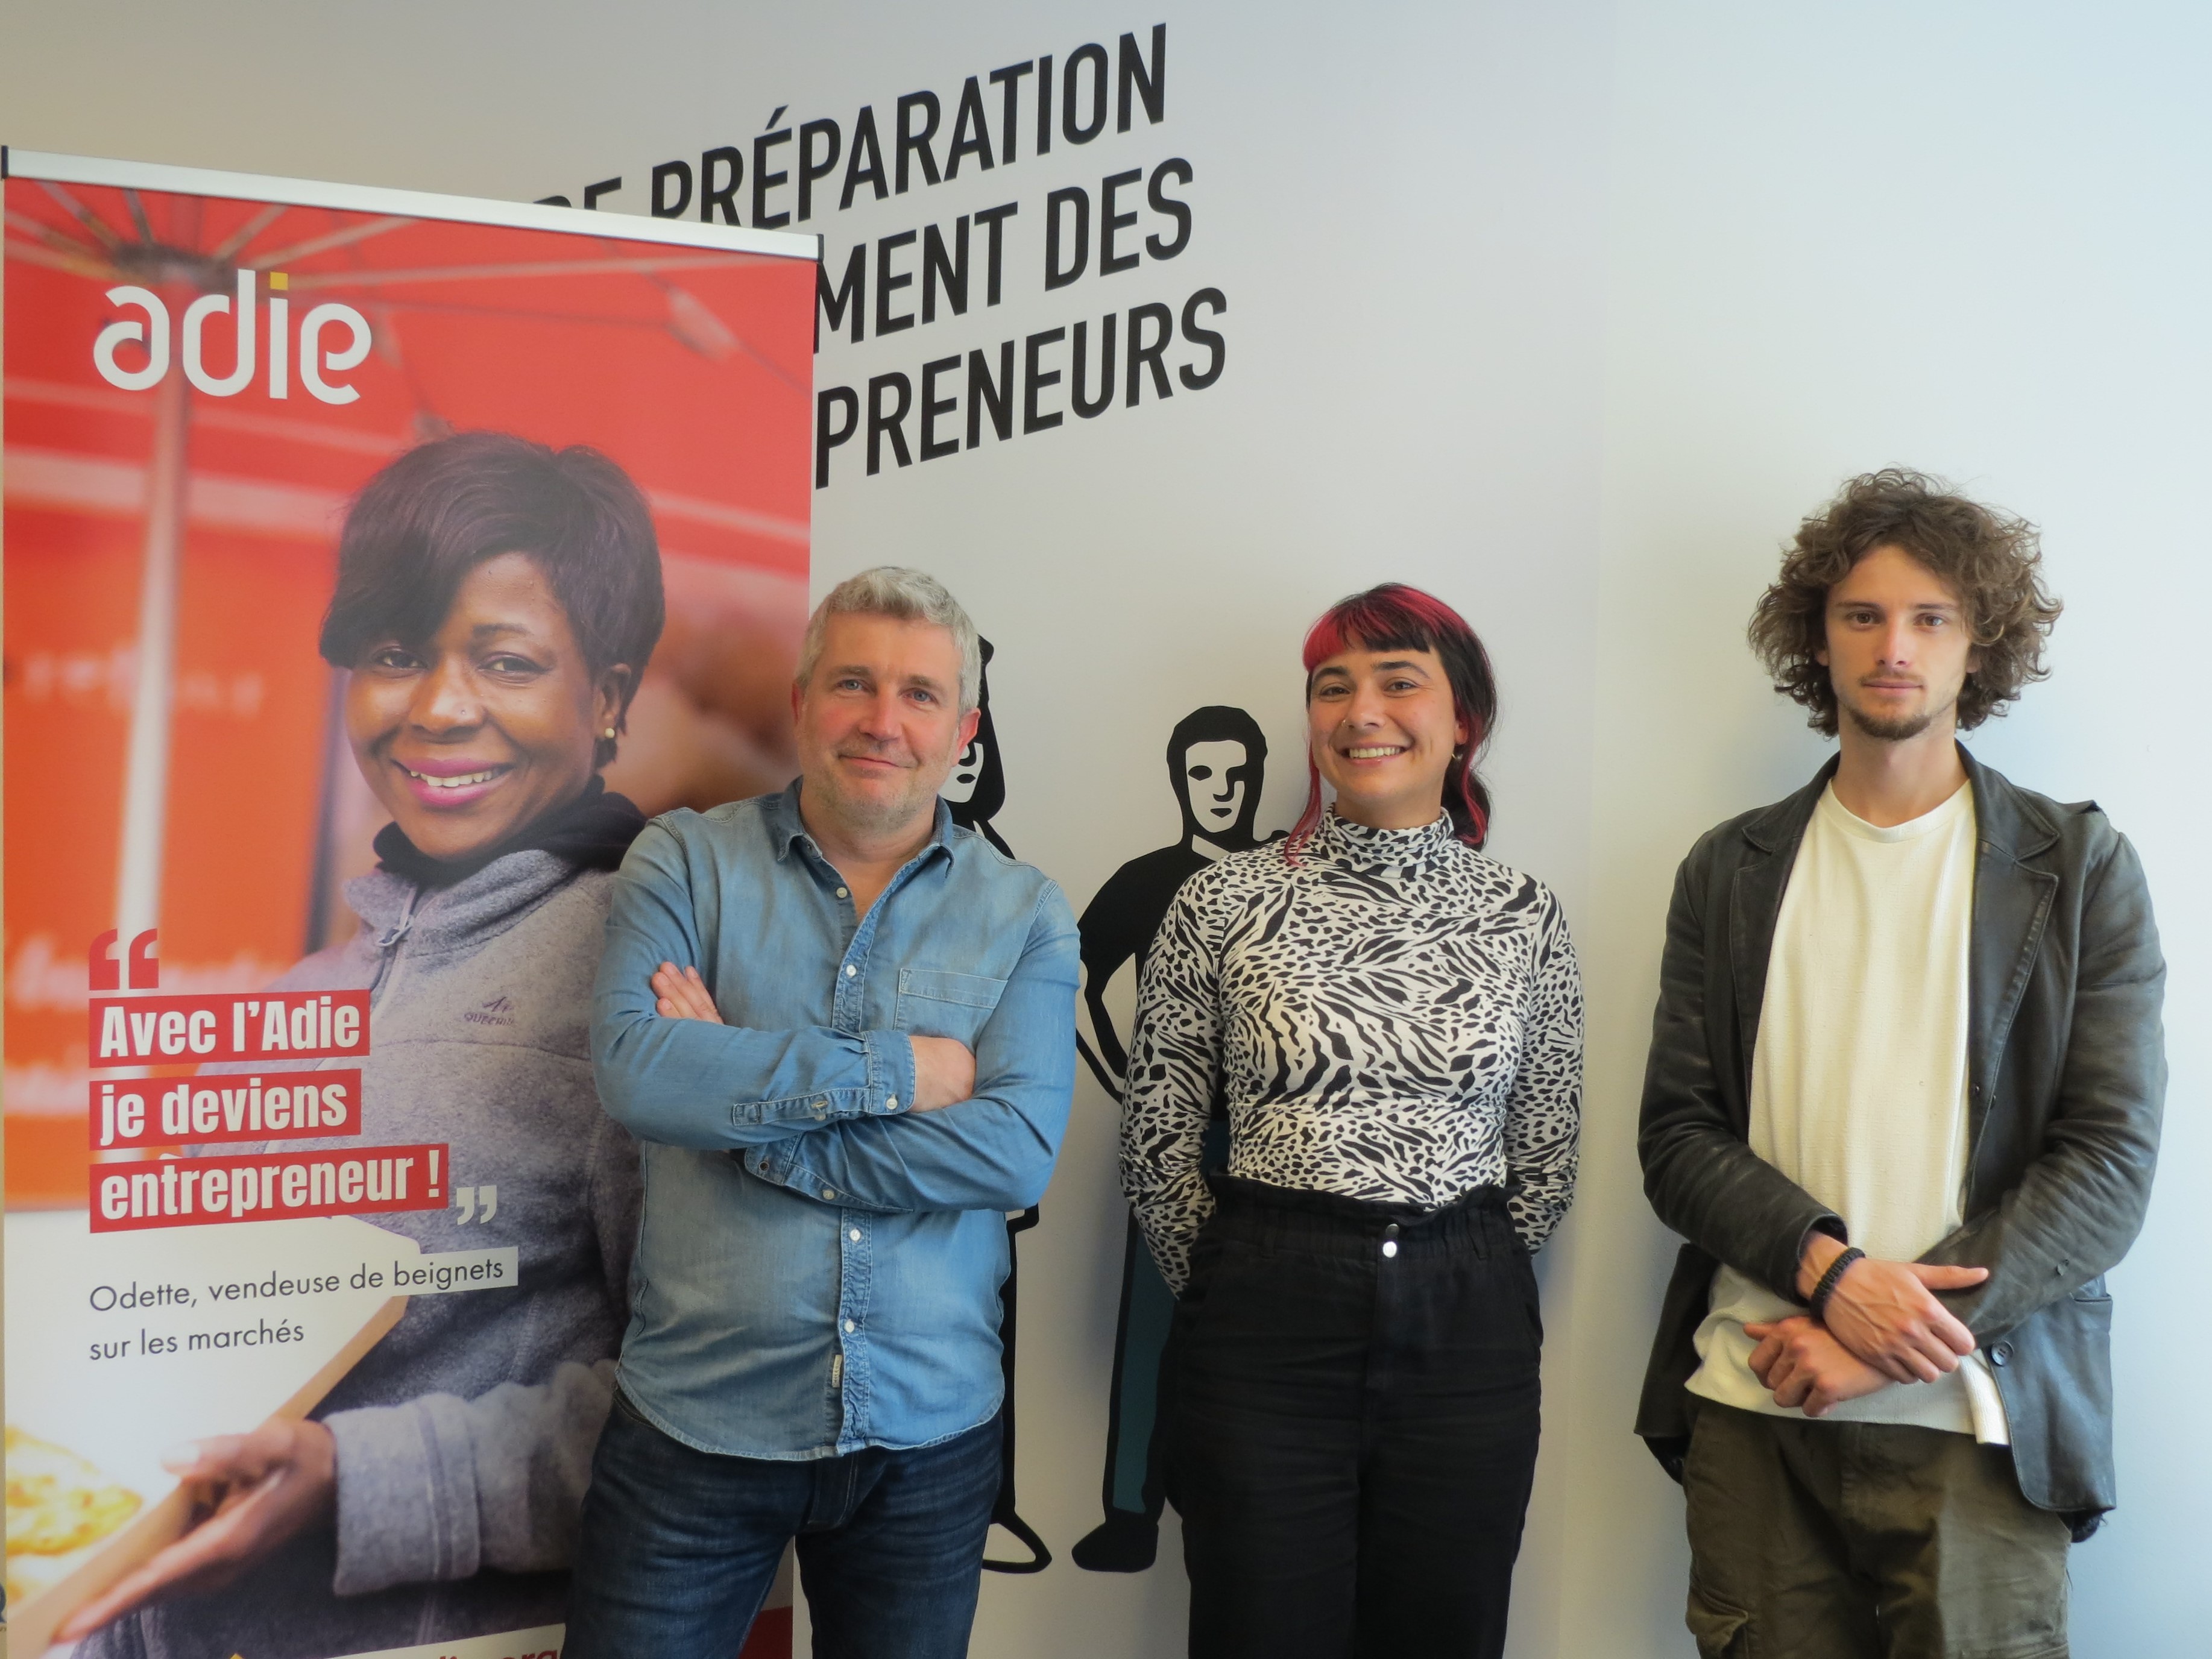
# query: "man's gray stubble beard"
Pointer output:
{"type": "Point", "coordinates": [875, 815]}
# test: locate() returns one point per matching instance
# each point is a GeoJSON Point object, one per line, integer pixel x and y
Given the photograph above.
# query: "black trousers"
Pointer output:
{"type": "Point", "coordinates": [1356, 1408]}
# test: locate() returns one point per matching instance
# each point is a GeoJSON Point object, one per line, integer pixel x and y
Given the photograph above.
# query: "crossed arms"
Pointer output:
{"type": "Point", "coordinates": [881, 1120]}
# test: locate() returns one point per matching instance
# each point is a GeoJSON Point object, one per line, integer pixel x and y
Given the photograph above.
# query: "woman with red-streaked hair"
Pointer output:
{"type": "Point", "coordinates": [1393, 1022]}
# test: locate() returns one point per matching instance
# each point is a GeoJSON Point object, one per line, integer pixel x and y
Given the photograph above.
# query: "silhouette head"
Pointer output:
{"type": "Point", "coordinates": [977, 787]}
{"type": "Point", "coordinates": [1218, 762]}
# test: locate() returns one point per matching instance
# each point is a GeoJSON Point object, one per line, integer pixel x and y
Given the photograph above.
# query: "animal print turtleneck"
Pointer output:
{"type": "Point", "coordinates": [1389, 1014]}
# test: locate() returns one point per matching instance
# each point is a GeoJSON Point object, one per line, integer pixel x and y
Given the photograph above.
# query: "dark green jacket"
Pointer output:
{"type": "Point", "coordinates": [2066, 1078]}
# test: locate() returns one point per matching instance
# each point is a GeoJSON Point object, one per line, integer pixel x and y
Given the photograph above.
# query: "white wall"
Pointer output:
{"type": "Point", "coordinates": [1568, 311]}
{"type": "Point", "coordinates": [1970, 239]}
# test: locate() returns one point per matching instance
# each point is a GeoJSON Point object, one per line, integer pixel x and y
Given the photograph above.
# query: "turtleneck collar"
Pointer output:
{"type": "Point", "coordinates": [1412, 852]}
{"type": "Point", "coordinates": [592, 831]}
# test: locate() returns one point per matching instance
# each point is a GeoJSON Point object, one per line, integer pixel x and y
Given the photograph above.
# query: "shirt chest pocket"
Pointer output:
{"type": "Point", "coordinates": [934, 1002]}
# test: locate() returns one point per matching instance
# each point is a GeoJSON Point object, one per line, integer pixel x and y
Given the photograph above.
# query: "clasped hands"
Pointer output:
{"type": "Point", "coordinates": [1882, 1324]}
{"type": "Point", "coordinates": [944, 1067]}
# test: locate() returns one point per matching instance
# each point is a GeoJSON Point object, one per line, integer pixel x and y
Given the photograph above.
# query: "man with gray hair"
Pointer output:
{"type": "Point", "coordinates": [843, 1031]}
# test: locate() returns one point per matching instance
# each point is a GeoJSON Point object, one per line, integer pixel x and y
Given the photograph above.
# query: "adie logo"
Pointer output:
{"type": "Point", "coordinates": [315, 362]}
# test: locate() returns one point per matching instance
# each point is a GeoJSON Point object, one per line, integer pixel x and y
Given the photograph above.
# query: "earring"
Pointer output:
{"type": "Point", "coordinates": [609, 734]}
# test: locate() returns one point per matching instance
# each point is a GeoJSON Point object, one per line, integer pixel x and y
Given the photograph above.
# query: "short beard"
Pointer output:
{"type": "Point", "coordinates": [1882, 730]}
{"type": "Point", "coordinates": [1888, 730]}
{"type": "Point", "coordinates": [876, 814]}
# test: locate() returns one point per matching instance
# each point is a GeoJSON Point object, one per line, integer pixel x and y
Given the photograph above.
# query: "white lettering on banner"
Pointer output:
{"type": "Point", "coordinates": [129, 333]}
{"type": "Point", "coordinates": [322, 1103]}
{"type": "Point", "coordinates": [302, 1025]}
{"type": "Point", "coordinates": [314, 363]}
{"type": "Point", "coordinates": [196, 316]}
{"type": "Point", "coordinates": [311, 368]}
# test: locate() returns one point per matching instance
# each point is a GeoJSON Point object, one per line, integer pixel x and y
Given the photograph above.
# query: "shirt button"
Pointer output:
{"type": "Point", "coordinates": [850, 970]}
{"type": "Point", "coordinates": [890, 1102]}
{"type": "Point", "coordinates": [841, 893]}
{"type": "Point", "coordinates": [854, 1235]}
{"type": "Point", "coordinates": [829, 1192]}
{"type": "Point", "coordinates": [848, 1328]}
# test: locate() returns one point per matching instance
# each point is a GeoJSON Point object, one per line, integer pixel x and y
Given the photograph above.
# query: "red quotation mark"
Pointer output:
{"type": "Point", "coordinates": [145, 966]}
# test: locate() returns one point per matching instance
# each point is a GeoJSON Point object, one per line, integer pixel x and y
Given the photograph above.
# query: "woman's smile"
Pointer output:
{"type": "Point", "coordinates": [446, 785]}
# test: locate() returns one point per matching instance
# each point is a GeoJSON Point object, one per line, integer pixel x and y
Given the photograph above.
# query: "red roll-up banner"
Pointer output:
{"type": "Point", "coordinates": [361, 548]}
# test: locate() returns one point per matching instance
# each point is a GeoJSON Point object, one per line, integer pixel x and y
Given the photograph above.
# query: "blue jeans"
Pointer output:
{"type": "Point", "coordinates": [679, 1546]}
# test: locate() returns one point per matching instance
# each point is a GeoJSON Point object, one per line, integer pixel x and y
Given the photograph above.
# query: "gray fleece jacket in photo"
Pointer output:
{"type": "Point", "coordinates": [464, 1437]}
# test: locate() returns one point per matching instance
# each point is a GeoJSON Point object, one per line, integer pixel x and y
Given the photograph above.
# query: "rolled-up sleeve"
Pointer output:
{"type": "Point", "coordinates": [993, 1151]}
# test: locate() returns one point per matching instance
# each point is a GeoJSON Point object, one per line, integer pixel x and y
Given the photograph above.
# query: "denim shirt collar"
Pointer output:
{"type": "Point", "coordinates": [787, 830]}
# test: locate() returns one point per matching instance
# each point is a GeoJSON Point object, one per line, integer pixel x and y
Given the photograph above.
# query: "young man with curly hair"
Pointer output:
{"type": "Point", "coordinates": [1903, 1101]}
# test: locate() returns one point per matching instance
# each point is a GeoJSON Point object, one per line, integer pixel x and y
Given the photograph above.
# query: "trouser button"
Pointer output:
{"type": "Point", "coordinates": [1390, 1239]}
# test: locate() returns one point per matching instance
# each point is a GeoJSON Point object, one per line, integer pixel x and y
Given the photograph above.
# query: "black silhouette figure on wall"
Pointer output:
{"type": "Point", "coordinates": [977, 787]}
{"type": "Point", "coordinates": [974, 792]}
{"type": "Point", "coordinates": [1217, 763]}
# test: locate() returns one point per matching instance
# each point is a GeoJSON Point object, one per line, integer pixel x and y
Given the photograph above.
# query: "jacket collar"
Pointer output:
{"type": "Point", "coordinates": [1782, 824]}
{"type": "Point", "coordinates": [2006, 822]}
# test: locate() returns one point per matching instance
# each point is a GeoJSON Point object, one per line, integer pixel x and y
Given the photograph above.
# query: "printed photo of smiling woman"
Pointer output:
{"type": "Point", "coordinates": [496, 601]}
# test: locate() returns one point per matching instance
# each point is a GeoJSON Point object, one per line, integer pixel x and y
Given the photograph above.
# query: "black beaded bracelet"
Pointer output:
{"type": "Point", "coordinates": [1818, 1302]}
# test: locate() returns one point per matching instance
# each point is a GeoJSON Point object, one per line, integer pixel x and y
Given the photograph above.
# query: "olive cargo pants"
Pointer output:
{"type": "Point", "coordinates": [1865, 1541]}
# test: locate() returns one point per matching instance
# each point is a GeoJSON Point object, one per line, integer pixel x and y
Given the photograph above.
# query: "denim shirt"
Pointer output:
{"type": "Point", "coordinates": [818, 1267]}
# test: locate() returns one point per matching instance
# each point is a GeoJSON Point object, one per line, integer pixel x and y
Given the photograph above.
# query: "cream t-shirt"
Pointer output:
{"type": "Point", "coordinates": [1858, 1082]}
